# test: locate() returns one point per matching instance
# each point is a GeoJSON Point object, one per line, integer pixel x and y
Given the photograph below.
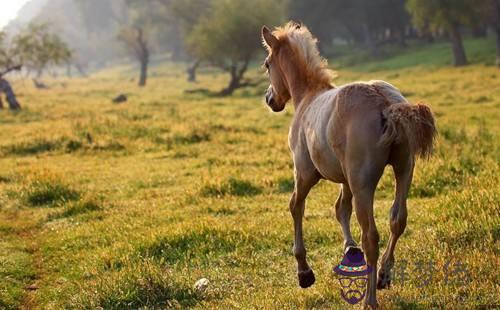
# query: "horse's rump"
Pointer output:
{"type": "Point", "coordinates": [402, 121]}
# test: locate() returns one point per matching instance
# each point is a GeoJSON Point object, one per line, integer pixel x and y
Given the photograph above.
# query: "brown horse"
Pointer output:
{"type": "Point", "coordinates": [346, 135]}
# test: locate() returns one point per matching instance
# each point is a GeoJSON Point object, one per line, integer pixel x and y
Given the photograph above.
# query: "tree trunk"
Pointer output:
{"type": "Point", "coordinates": [495, 23]}
{"type": "Point", "coordinates": [191, 71]}
{"type": "Point", "coordinates": [39, 72]}
{"type": "Point", "coordinates": [9, 93]}
{"type": "Point", "coordinates": [144, 72]}
{"type": "Point", "coordinates": [498, 46]}
{"type": "Point", "coordinates": [234, 83]}
{"type": "Point", "coordinates": [370, 44]}
{"type": "Point", "coordinates": [402, 38]}
{"type": "Point", "coordinates": [459, 58]}
{"type": "Point", "coordinates": [81, 70]}
{"type": "Point", "coordinates": [68, 70]}
{"type": "Point", "coordinates": [236, 77]}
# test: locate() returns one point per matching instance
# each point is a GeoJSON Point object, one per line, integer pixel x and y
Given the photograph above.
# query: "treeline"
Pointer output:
{"type": "Point", "coordinates": [225, 33]}
{"type": "Point", "coordinates": [375, 23]}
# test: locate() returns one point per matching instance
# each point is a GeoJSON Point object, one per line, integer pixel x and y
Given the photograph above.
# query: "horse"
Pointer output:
{"type": "Point", "coordinates": [347, 135]}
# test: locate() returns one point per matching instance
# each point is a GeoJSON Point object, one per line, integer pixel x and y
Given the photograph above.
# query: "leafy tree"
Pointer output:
{"type": "Point", "coordinates": [449, 15]}
{"type": "Point", "coordinates": [35, 47]}
{"type": "Point", "coordinates": [228, 36]}
{"type": "Point", "coordinates": [38, 48]}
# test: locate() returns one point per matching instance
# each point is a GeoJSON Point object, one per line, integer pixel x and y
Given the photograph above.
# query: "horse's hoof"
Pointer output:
{"type": "Point", "coordinates": [306, 278]}
{"type": "Point", "coordinates": [384, 281]}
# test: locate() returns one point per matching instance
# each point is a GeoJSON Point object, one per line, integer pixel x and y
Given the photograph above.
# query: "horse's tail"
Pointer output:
{"type": "Point", "coordinates": [413, 123]}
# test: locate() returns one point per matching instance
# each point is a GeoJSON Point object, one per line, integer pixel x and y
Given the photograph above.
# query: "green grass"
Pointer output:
{"type": "Point", "coordinates": [417, 54]}
{"type": "Point", "coordinates": [127, 206]}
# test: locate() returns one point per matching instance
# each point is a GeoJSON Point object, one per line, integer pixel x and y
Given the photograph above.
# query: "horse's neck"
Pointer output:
{"type": "Point", "coordinates": [302, 90]}
{"type": "Point", "coordinates": [312, 95]}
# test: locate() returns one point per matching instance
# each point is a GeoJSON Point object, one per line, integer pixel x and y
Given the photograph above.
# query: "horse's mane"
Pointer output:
{"type": "Point", "coordinates": [305, 45]}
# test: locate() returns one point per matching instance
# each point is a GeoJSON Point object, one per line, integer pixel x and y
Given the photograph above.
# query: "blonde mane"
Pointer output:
{"type": "Point", "coordinates": [306, 47]}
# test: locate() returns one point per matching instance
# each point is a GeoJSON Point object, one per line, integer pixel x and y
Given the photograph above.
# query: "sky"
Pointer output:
{"type": "Point", "coordinates": [9, 9]}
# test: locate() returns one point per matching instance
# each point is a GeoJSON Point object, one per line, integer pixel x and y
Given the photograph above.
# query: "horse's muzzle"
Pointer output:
{"type": "Point", "coordinates": [271, 102]}
{"type": "Point", "coordinates": [269, 96]}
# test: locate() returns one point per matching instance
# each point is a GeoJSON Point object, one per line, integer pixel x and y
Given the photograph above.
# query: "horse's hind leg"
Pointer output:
{"type": "Point", "coordinates": [343, 211]}
{"type": "Point", "coordinates": [402, 163]}
{"type": "Point", "coordinates": [364, 164]}
{"type": "Point", "coordinates": [363, 205]}
{"type": "Point", "coordinates": [305, 179]}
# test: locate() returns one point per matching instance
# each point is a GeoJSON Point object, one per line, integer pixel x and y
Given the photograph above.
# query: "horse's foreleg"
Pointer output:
{"type": "Point", "coordinates": [403, 170]}
{"type": "Point", "coordinates": [343, 211]}
{"type": "Point", "coordinates": [363, 204]}
{"type": "Point", "coordinates": [297, 206]}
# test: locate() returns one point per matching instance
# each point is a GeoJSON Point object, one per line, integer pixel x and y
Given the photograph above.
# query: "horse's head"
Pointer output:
{"type": "Point", "coordinates": [277, 94]}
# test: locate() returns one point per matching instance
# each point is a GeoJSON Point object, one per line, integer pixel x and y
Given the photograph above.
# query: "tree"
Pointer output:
{"type": "Point", "coordinates": [227, 38]}
{"type": "Point", "coordinates": [7, 65]}
{"type": "Point", "coordinates": [140, 30]}
{"type": "Point", "coordinates": [449, 15]}
{"type": "Point", "coordinates": [496, 24]}
{"type": "Point", "coordinates": [8, 91]}
{"type": "Point", "coordinates": [137, 44]}
{"type": "Point", "coordinates": [34, 47]}
{"type": "Point", "coordinates": [173, 20]}
{"type": "Point", "coordinates": [368, 23]}
{"type": "Point", "coordinates": [186, 14]}
{"type": "Point", "coordinates": [37, 48]}
{"type": "Point", "coordinates": [491, 10]}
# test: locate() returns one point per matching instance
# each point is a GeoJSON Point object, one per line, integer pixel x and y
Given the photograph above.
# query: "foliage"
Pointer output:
{"type": "Point", "coordinates": [443, 14]}
{"type": "Point", "coordinates": [227, 35]}
{"type": "Point", "coordinates": [188, 12]}
{"type": "Point", "coordinates": [366, 23]}
{"type": "Point", "coordinates": [35, 48]}
{"type": "Point", "coordinates": [7, 54]}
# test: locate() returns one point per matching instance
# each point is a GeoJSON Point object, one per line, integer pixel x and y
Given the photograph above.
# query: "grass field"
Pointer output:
{"type": "Point", "coordinates": [126, 206]}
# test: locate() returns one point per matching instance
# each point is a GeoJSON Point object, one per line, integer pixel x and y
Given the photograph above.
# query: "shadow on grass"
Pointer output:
{"type": "Point", "coordinates": [48, 193]}
{"type": "Point", "coordinates": [203, 246]}
{"type": "Point", "coordinates": [231, 187]}
{"type": "Point", "coordinates": [76, 208]}
{"type": "Point", "coordinates": [63, 144]}
{"type": "Point", "coordinates": [145, 285]}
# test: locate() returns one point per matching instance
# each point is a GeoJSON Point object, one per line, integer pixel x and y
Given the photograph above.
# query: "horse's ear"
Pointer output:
{"type": "Point", "coordinates": [269, 40]}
